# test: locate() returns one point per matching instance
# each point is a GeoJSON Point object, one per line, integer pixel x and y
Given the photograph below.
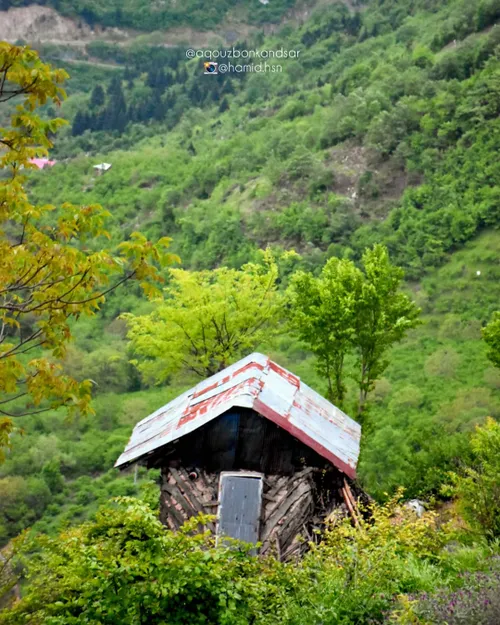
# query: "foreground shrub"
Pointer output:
{"type": "Point", "coordinates": [127, 568]}
{"type": "Point", "coordinates": [353, 575]}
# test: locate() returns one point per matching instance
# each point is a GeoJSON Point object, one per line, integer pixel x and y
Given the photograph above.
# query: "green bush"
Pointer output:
{"type": "Point", "coordinates": [352, 576]}
{"type": "Point", "coordinates": [478, 486]}
{"type": "Point", "coordinates": [126, 568]}
{"type": "Point", "coordinates": [23, 502]}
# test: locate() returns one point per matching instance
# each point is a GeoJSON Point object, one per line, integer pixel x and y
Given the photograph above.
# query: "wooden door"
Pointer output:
{"type": "Point", "coordinates": [240, 505]}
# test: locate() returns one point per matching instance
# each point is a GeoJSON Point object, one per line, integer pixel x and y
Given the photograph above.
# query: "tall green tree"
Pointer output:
{"type": "Point", "coordinates": [208, 320]}
{"type": "Point", "coordinates": [383, 316]}
{"type": "Point", "coordinates": [323, 313]}
{"type": "Point", "coordinates": [97, 97]}
{"type": "Point", "coordinates": [491, 335]}
{"type": "Point", "coordinates": [347, 311]}
{"type": "Point", "coordinates": [55, 266]}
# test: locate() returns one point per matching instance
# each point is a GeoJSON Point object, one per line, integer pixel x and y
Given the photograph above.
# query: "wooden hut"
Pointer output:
{"type": "Point", "coordinates": [256, 447]}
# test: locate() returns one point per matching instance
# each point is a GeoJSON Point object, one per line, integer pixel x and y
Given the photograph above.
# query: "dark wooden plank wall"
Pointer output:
{"type": "Point", "coordinates": [239, 440]}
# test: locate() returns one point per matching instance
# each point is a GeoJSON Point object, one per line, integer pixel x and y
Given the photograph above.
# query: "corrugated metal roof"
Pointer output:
{"type": "Point", "coordinates": [258, 383]}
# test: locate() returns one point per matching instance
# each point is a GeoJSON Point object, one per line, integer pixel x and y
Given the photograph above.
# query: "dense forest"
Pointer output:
{"type": "Point", "coordinates": [371, 161]}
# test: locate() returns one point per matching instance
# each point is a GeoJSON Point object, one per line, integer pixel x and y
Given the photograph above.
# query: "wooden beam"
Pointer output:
{"type": "Point", "coordinates": [347, 495]}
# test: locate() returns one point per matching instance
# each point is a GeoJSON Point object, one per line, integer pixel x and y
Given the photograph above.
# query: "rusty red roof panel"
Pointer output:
{"type": "Point", "coordinates": [258, 383]}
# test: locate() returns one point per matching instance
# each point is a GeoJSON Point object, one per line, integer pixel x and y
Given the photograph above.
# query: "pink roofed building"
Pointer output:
{"type": "Point", "coordinates": [42, 163]}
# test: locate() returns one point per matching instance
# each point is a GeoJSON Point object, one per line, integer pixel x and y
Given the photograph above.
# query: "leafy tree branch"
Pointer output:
{"type": "Point", "coordinates": [55, 264]}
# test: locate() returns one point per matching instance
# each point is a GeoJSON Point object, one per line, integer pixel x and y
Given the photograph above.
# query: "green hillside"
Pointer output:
{"type": "Point", "coordinates": [385, 133]}
{"type": "Point", "coordinates": [149, 16]}
{"type": "Point", "coordinates": [386, 128]}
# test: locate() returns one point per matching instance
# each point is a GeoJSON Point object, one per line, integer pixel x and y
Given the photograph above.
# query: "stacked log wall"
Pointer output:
{"type": "Point", "coordinates": [294, 506]}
